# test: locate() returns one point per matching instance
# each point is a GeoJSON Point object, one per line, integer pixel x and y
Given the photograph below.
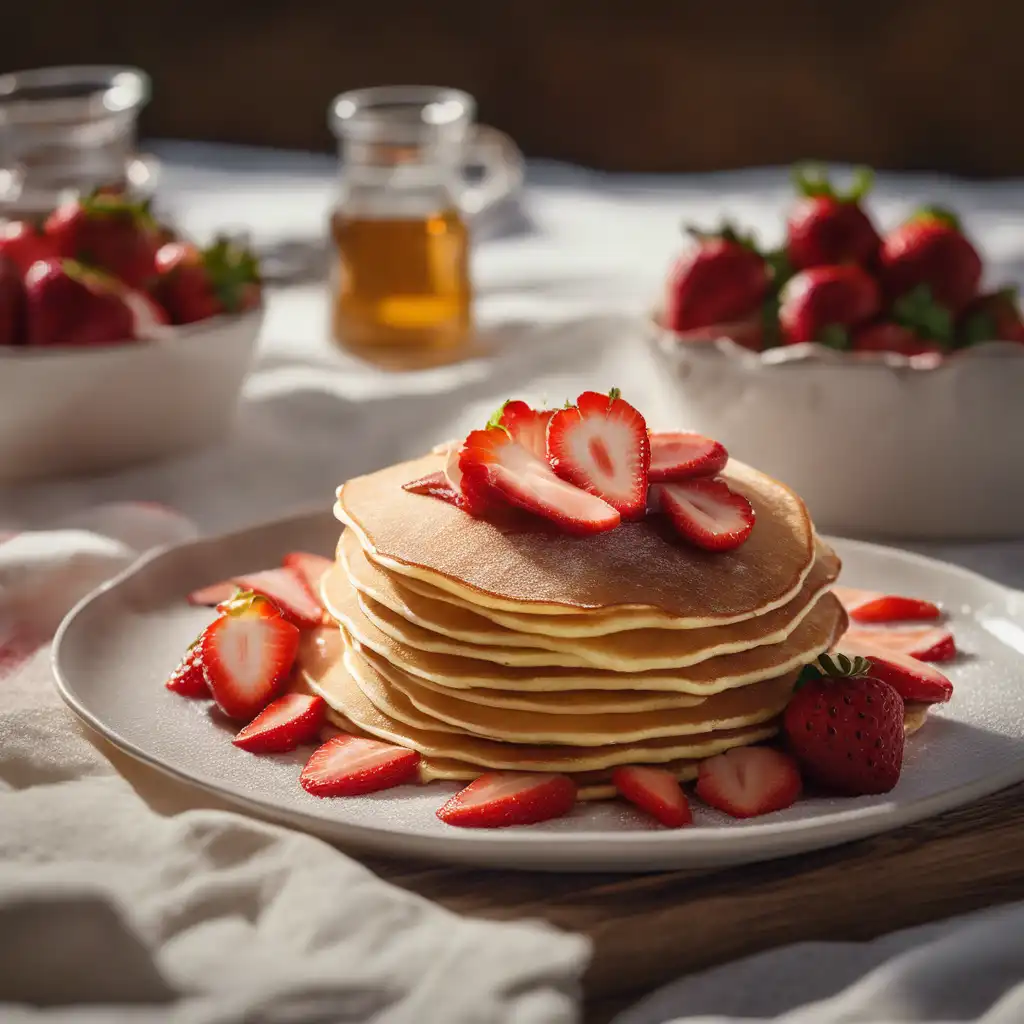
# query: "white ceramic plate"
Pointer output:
{"type": "Point", "coordinates": [114, 651]}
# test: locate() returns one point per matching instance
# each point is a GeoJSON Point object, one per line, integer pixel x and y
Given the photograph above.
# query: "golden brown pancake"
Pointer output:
{"type": "Point", "coordinates": [335, 684]}
{"type": "Point", "coordinates": [623, 650]}
{"type": "Point", "coordinates": [819, 630]}
{"type": "Point", "coordinates": [638, 565]}
{"type": "Point", "coordinates": [745, 705]}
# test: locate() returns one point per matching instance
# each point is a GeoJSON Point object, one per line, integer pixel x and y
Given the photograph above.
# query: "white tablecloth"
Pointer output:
{"type": "Point", "coordinates": [560, 280]}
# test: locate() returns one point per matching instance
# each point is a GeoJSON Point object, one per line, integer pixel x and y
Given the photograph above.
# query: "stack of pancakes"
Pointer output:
{"type": "Point", "coordinates": [489, 646]}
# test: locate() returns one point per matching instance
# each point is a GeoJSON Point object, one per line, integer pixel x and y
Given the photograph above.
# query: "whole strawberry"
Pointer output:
{"type": "Point", "coordinates": [12, 303]}
{"type": "Point", "coordinates": [828, 227]}
{"type": "Point", "coordinates": [109, 232]}
{"type": "Point", "coordinates": [992, 317]}
{"type": "Point", "coordinates": [822, 304]}
{"type": "Point", "coordinates": [23, 244]}
{"type": "Point", "coordinates": [68, 304]}
{"type": "Point", "coordinates": [195, 284]}
{"type": "Point", "coordinates": [846, 727]}
{"type": "Point", "coordinates": [930, 250]}
{"type": "Point", "coordinates": [721, 279]}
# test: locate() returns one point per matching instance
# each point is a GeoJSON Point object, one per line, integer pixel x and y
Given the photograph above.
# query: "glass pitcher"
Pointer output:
{"type": "Point", "coordinates": [401, 277]}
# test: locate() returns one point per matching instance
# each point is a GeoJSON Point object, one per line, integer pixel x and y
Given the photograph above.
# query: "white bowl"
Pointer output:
{"type": "Point", "coordinates": [877, 445]}
{"type": "Point", "coordinates": [83, 410]}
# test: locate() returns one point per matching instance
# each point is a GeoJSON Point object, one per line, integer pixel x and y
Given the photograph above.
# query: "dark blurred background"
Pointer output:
{"type": "Point", "coordinates": [648, 85]}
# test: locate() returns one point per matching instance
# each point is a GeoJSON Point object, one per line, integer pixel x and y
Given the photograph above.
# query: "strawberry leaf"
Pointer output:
{"type": "Point", "coordinates": [811, 181]}
{"type": "Point", "coordinates": [834, 336]}
{"type": "Point", "coordinates": [937, 213]}
{"type": "Point", "coordinates": [923, 315]}
{"type": "Point", "coordinates": [495, 420]}
{"type": "Point", "coordinates": [977, 328]}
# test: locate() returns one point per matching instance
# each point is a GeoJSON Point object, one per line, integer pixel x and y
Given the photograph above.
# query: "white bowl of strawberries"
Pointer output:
{"type": "Point", "coordinates": [869, 371]}
{"type": "Point", "coordinates": [118, 342]}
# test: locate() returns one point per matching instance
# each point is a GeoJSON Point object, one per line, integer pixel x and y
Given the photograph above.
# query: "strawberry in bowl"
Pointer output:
{"type": "Point", "coordinates": [873, 347]}
{"type": "Point", "coordinates": [114, 349]}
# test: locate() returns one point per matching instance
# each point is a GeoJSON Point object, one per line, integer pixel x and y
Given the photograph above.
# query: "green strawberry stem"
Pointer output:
{"type": "Point", "coordinates": [495, 420]}
{"type": "Point", "coordinates": [230, 267]}
{"type": "Point", "coordinates": [812, 180]}
{"type": "Point", "coordinates": [941, 214]}
{"type": "Point", "coordinates": [835, 666]}
{"type": "Point", "coordinates": [727, 232]}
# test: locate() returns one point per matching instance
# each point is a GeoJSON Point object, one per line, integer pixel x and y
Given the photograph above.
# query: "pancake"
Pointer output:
{"type": "Point", "coordinates": [815, 635]}
{"type": "Point", "coordinates": [641, 565]}
{"type": "Point", "coordinates": [623, 650]}
{"type": "Point", "coordinates": [540, 702]}
{"type": "Point", "coordinates": [746, 705]}
{"type": "Point", "coordinates": [335, 684]}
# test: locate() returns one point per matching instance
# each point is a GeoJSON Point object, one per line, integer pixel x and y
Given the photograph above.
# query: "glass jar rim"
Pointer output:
{"type": "Point", "coordinates": [107, 91]}
{"type": "Point", "coordinates": [357, 114]}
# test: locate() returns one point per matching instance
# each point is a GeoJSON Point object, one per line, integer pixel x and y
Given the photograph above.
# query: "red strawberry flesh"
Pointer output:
{"type": "Point", "coordinates": [353, 765]}
{"type": "Point", "coordinates": [288, 590]}
{"type": "Point", "coordinates": [284, 724]}
{"type": "Point", "coordinates": [680, 455]}
{"type": "Point", "coordinates": [187, 680]}
{"type": "Point", "coordinates": [247, 656]}
{"type": "Point", "coordinates": [706, 512]}
{"type": "Point", "coordinates": [874, 606]}
{"type": "Point", "coordinates": [527, 426]}
{"type": "Point", "coordinates": [502, 799]}
{"type": "Point", "coordinates": [910, 677]}
{"type": "Point", "coordinates": [656, 791]}
{"type": "Point", "coordinates": [498, 469]}
{"type": "Point", "coordinates": [601, 445]}
{"type": "Point", "coordinates": [749, 781]}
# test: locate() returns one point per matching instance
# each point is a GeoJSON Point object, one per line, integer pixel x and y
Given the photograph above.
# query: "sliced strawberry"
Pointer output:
{"type": "Point", "coordinates": [656, 791]}
{"type": "Point", "coordinates": [874, 606]}
{"type": "Point", "coordinates": [748, 781]}
{"type": "Point", "coordinates": [930, 643]}
{"type": "Point", "coordinates": [310, 569]}
{"type": "Point", "coordinates": [288, 590]}
{"type": "Point", "coordinates": [912, 679]}
{"type": "Point", "coordinates": [214, 594]}
{"type": "Point", "coordinates": [187, 679]}
{"type": "Point", "coordinates": [499, 799]}
{"type": "Point", "coordinates": [679, 455]}
{"type": "Point", "coordinates": [602, 446]}
{"type": "Point", "coordinates": [351, 765]}
{"type": "Point", "coordinates": [284, 724]}
{"type": "Point", "coordinates": [434, 485]}
{"type": "Point", "coordinates": [495, 468]}
{"type": "Point", "coordinates": [528, 427]}
{"type": "Point", "coordinates": [247, 654]}
{"type": "Point", "coordinates": [706, 512]}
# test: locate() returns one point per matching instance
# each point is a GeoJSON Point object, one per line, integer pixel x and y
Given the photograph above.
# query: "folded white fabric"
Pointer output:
{"type": "Point", "coordinates": [966, 969]}
{"type": "Point", "coordinates": [122, 898]}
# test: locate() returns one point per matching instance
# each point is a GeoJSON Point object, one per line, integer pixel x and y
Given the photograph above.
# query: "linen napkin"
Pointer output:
{"type": "Point", "coordinates": [125, 897]}
{"type": "Point", "coordinates": [965, 969]}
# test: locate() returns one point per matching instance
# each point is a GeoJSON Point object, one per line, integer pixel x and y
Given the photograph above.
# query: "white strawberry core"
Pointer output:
{"type": "Point", "coordinates": [706, 511]}
{"type": "Point", "coordinates": [502, 786]}
{"type": "Point", "coordinates": [242, 647]}
{"type": "Point", "coordinates": [452, 472]}
{"type": "Point", "coordinates": [659, 782]}
{"type": "Point", "coordinates": [521, 471]}
{"type": "Point", "coordinates": [605, 449]}
{"type": "Point", "coordinates": [282, 711]}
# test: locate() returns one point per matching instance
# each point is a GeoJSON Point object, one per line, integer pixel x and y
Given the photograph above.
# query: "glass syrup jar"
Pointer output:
{"type": "Point", "coordinates": [401, 222]}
